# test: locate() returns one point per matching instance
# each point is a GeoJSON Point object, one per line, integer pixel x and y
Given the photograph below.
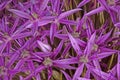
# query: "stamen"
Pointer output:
{"type": "Point", "coordinates": [83, 59]}
{"type": "Point", "coordinates": [47, 62]}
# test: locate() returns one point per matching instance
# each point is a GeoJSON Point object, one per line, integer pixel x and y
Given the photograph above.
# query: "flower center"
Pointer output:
{"type": "Point", "coordinates": [35, 15]}
{"type": "Point", "coordinates": [47, 62]}
{"type": "Point", "coordinates": [25, 54]}
{"type": "Point", "coordinates": [95, 47]}
{"type": "Point", "coordinates": [84, 59]}
{"type": "Point", "coordinates": [3, 70]}
{"type": "Point", "coordinates": [75, 34]}
{"type": "Point", "coordinates": [8, 38]}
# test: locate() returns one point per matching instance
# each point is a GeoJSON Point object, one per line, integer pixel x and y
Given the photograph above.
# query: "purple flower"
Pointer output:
{"type": "Point", "coordinates": [59, 39]}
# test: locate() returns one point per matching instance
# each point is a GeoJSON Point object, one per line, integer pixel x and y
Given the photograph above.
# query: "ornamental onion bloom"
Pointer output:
{"type": "Point", "coordinates": [59, 40]}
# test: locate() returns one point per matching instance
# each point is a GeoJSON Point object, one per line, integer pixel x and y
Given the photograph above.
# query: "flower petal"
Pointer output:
{"type": "Point", "coordinates": [41, 22]}
{"type": "Point", "coordinates": [103, 75]}
{"type": "Point", "coordinates": [67, 13]}
{"type": "Point", "coordinates": [13, 59]}
{"type": "Point", "coordinates": [81, 42]}
{"type": "Point", "coordinates": [67, 48]}
{"type": "Point", "coordinates": [104, 4]}
{"type": "Point", "coordinates": [68, 22]}
{"type": "Point", "coordinates": [75, 44]}
{"type": "Point", "coordinates": [58, 49]}
{"type": "Point", "coordinates": [20, 13]}
{"type": "Point", "coordinates": [44, 47]}
{"type": "Point", "coordinates": [78, 72]}
{"type": "Point", "coordinates": [101, 55]}
{"type": "Point", "coordinates": [56, 6]}
{"type": "Point", "coordinates": [92, 12]}
{"type": "Point", "coordinates": [19, 64]}
{"type": "Point", "coordinates": [103, 38]}
{"type": "Point", "coordinates": [80, 78]}
{"type": "Point", "coordinates": [83, 2]}
{"type": "Point", "coordinates": [90, 44]}
{"type": "Point", "coordinates": [38, 77]}
{"type": "Point", "coordinates": [53, 29]}
{"type": "Point", "coordinates": [43, 5]}
{"type": "Point", "coordinates": [117, 24]}
{"type": "Point", "coordinates": [22, 35]}
{"type": "Point", "coordinates": [4, 4]}
{"type": "Point", "coordinates": [67, 61]}
{"type": "Point", "coordinates": [66, 75]}
{"type": "Point", "coordinates": [64, 66]}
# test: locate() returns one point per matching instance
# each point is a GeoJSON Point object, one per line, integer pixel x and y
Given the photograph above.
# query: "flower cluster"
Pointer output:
{"type": "Point", "coordinates": [59, 40]}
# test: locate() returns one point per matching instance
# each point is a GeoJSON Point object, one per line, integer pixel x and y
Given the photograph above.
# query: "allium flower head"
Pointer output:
{"type": "Point", "coordinates": [59, 40]}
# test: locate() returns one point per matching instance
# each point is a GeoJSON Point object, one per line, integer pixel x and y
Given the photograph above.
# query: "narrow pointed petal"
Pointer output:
{"type": "Point", "coordinates": [2, 47]}
{"type": "Point", "coordinates": [2, 61]}
{"type": "Point", "coordinates": [113, 16]}
{"type": "Point", "coordinates": [74, 44]}
{"type": "Point", "coordinates": [67, 61]}
{"type": "Point", "coordinates": [53, 29]}
{"type": "Point", "coordinates": [104, 4]}
{"type": "Point", "coordinates": [101, 55]}
{"type": "Point", "coordinates": [64, 66]}
{"type": "Point", "coordinates": [103, 38]}
{"type": "Point", "coordinates": [22, 35]}
{"type": "Point", "coordinates": [48, 17]}
{"type": "Point", "coordinates": [68, 22]}
{"type": "Point", "coordinates": [78, 72]}
{"type": "Point", "coordinates": [31, 66]}
{"type": "Point", "coordinates": [39, 69]}
{"type": "Point", "coordinates": [49, 73]}
{"type": "Point", "coordinates": [98, 10]}
{"type": "Point", "coordinates": [81, 42]}
{"type": "Point", "coordinates": [13, 59]}
{"type": "Point", "coordinates": [87, 75]}
{"type": "Point", "coordinates": [19, 64]}
{"type": "Point", "coordinates": [4, 4]}
{"type": "Point", "coordinates": [67, 48]}
{"type": "Point", "coordinates": [88, 28]}
{"type": "Point", "coordinates": [66, 75]}
{"type": "Point", "coordinates": [80, 78]}
{"type": "Point", "coordinates": [43, 5]}
{"type": "Point", "coordinates": [61, 36]}
{"type": "Point", "coordinates": [90, 44]}
{"type": "Point", "coordinates": [15, 25]}
{"type": "Point", "coordinates": [56, 6]}
{"type": "Point", "coordinates": [20, 13]}
{"type": "Point", "coordinates": [103, 75]}
{"type": "Point", "coordinates": [38, 77]}
{"type": "Point", "coordinates": [114, 70]}
{"type": "Point", "coordinates": [97, 64]}
{"type": "Point", "coordinates": [44, 47]}
{"type": "Point", "coordinates": [90, 68]}
{"type": "Point", "coordinates": [83, 2]}
{"type": "Point", "coordinates": [58, 49]}
{"type": "Point", "coordinates": [117, 33]}
{"type": "Point", "coordinates": [21, 78]}
{"type": "Point", "coordinates": [80, 22]}
{"type": "Point", "coordinates": [67, 13]}
{"type": "Point", "coordinates": [42, 22]}
{"type": "Point", "coordinates": [38, 22]}
{"type": "Point", "coordinates": [41, 54]}
{"type": "Point", "coordinates": [104, 49]}
{"type": "Point", "coordinates": [117, 24]}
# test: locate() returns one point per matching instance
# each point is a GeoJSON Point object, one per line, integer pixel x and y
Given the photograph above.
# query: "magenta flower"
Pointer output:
{"type": "Point", "coordinates": [59, 40]}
